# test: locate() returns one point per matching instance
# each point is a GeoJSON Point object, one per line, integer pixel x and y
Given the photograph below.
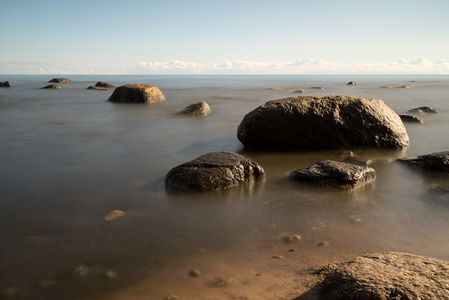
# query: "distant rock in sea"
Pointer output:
{"type": "Point", "coordinates": [104, 85]}
{"type": "Point", "coordinates": [5, 84]}
{"type": "Point", "coordinates": [351, 83]}
{"type": "Point", "coordinates": [91, 87]}
{"type": "Point", "coordinates": [52, 87]}
{"type": "Point", "coordinates": [410, 119]}
{"type": "Point", "coordinates": [423, 110]}
{"type": "Point", "coordinates": [200, 109]}
{"type": "Point", "coordinates": [137, 93]}
{"type": "Point", "coordinates": [59, 80]}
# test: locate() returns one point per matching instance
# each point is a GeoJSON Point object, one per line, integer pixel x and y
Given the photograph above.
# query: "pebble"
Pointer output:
{"type": "Point", "coordinates": [114, 215]}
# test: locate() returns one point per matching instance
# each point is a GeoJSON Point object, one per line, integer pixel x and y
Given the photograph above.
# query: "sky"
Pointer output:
{"type": "Point", "coordinates": [224, 37]}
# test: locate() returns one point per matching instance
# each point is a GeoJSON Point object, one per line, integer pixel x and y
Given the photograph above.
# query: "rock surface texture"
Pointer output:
{"type": "Point", "coordinates": [213, 171]}
{"type": "Point", "coordinates": [60, 80]}
{"type": "Point", "coordinates": [200, 109]}
{"type": "Point", "coordinates": [335, 174]}
{"type": "Point", "coordinates": [5, 84]}
{"type": "Point", "coordinates": [331, 122]}
{"type": "Point", "coordinates": [137, 93]}
{"type": "Point", "coordinates": [434, 162]}
{"type": "Point", "coordinates": [390, 275]}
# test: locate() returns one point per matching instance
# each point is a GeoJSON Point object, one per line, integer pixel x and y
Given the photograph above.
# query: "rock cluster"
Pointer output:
{"type": "Point", "coordinates": [330, 122]}
{"type": "Point", "coordinates": [137, 93]}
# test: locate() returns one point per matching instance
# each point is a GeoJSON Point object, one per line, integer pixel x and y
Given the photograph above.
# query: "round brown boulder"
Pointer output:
{"type": "Point", "coordinates": [52, 87]}
{"type": "Point", "coordinates": [213, 171]}
{"type": "Point", "coordinates": [200, 109]}
{"type": "Point", "coordinates": [330, 122]}
{"type": "Point", "coordinates": [137, 93]}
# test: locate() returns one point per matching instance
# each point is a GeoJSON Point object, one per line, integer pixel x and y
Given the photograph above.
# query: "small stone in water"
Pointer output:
{"type": "Point", "coordinates": [291, 238]}
{"type": "Point", "coordinates": [171, 297]}
{"type": "Point", "coordinates": [194, 273]}
{"type": "Point", "coordinates": [321, 244]}
{"type": "Point", "coordinates": [223, 281]}
{"type": "Point", "coordinates": [114, 215]}
{"type": "Point", "coordinates": [278, 257]}
{"type": "Point", "coordinates": [111, 274]}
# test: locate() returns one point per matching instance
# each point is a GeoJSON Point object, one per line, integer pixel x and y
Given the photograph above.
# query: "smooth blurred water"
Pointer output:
{"type": "Point", "coordinates": [68, 158]}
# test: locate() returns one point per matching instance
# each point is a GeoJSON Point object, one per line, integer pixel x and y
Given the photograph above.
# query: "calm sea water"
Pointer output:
{"type": "Point", "coordinates": [68, 158]}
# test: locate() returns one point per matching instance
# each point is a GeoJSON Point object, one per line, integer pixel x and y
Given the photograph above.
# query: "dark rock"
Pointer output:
{"type": "Point", "coordinates": [316, 88]}
{"type": "Point", "coordinates": [423, 110]}
{"type": "Point", "coordinates": [351, 83]}
{"type": "Point", "coordinates": [298, 91]}
{"type": "Point", "coordinates": [384, 276]}
{"type": "Point", "coordinates": [331, 122]}
{"type": "Point", "coordinates": [52, 87]}
{"type": "Point", "coordinates": [5, 84]}
{"type": "Point", "coordinates": [335, 174]}
{"type": "Point", "coordinates": [410, 119]}
{"type": "Point", "coordinates": [213, 171]}
{"type": "Point", "coordinates": [434, 162]}
{"type": "Point", "coordinates": [104, 85]}
{"type": "Point", "coordinates": [137, 93]}
{"type": "Point", "coordinates": [200, 109]}
{"type": "Point", "coordinates": [95, 88]}
{"type": "Point", "coordinates": [60, 80]}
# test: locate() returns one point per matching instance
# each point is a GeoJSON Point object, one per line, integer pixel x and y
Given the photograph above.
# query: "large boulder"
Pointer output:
{"type": "Point", "coordinates": [335, 174]}
{"type": "Point", "coordinates": [213, 171]}
{"type": "Point", "coordinates": [59, 80]}
{"type": "Point", "coordinates": [200, 109]}
{"type": "Point", "coordinates": [330, 122]}
{"type": "Point", "coordinates": [5, 84]}
{"type": "Point", "coordinates": [385, 276]}
{"type": "Point", "coordinates": [434, 162]}
{"type": "Point", "coordinates": [137, 93]}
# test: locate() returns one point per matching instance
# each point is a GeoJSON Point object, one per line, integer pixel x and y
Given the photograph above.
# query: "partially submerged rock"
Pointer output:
{"type": "Point", "coordinates": [434, 162]}
{"type": "Point", "coordinates": [91, 87]}
{"type": "Point", "coordinates": [410, 119]}
{"type": "Point", "coordinates": [423, 110]}
{"type": "Point", "coordinates": [335, 174]}
{"type": "Point", "coordinates": [351, 83]}
{"type": "Point", "coordinates": [213, 171]}
{"type": "Point", "coordinates": [5, 84]}
{"type": "Point", "coordinates": [330, 122]}
{"type": "Point", "coordinates": [52, 87]}
{"type": "Point", "coordinates": [200, 109]}
{"type": "Point", "coordinates": [137, 93]}
{"type": "Point", "coordinates": [384, 276]}
{"type": "Point", "coordinates": [59, 80]}
{"type": "Point", "coordinates": [104, 85]}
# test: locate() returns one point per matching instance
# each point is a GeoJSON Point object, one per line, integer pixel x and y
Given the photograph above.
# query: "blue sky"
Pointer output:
{"type": "Point", "coordinates": [224, 37]}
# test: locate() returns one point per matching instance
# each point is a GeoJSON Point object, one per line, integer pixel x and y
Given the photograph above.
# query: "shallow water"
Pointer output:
{"type": "Point", "coordinates": [68, 158]}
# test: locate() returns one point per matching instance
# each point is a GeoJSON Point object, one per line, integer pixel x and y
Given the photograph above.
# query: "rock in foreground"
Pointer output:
{"type": "Point", "coordinates": [335, 174]}
{"type": "Point", "coordinates": [390, 275]}
{"type": "Point", "coordinates": [213, 171]}
{"type": "Point", "coordinates": [137, 93]}
{"type": "Point", "coordinates": [60, 80]}
{"type": "Point", "coordinates": [200, 109]}
{"type": "Point", "coordinates": [434, 162]}
{"type": "Point", "coordinates": [331, 122]}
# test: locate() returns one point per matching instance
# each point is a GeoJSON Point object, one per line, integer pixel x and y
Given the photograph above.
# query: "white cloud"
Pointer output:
{"type": "Point", "coordinates": [304, 66]}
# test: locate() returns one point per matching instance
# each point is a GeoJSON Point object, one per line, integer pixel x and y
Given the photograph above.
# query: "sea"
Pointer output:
{"type": "Point", "coordinates": [69, 158]}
